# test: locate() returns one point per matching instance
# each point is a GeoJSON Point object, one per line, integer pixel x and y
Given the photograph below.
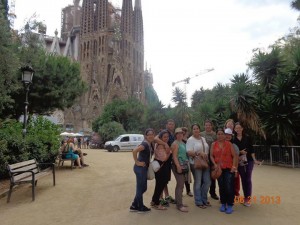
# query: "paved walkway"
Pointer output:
{"type": "Point", "coordinates": [101, 195]}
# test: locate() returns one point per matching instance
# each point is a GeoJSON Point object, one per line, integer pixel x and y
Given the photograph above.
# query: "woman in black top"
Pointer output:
{"type": "Point", "coordinates": [245, 146]}
{"type": "Point", "coordinates": [141, 156]}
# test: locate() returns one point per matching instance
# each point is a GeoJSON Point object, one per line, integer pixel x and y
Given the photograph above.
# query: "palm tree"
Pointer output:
{"type": "Point", "coordinates": [266, 66]}
{"type": "Point", "coordinates": [243, 103]}
{"type": "Point", "coordinates": [181, 108]}
{"type": "Point", "coordinates": [296, 5]}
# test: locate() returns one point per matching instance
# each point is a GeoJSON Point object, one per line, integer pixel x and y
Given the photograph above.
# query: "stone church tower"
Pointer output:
{"type": "Point", "coordinates": [111, 56]}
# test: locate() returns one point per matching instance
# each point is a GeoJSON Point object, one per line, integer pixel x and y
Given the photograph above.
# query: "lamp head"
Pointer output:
{"type": "Point", "coordinates": [27, 74]}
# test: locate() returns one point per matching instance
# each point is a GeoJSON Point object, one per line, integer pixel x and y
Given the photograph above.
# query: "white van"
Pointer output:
{"type": "Point", "coordinates": [124, 142]}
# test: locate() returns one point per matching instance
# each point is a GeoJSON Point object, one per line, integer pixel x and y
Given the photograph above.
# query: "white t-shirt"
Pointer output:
{"type": "Point", "coordinates": [195, 145]}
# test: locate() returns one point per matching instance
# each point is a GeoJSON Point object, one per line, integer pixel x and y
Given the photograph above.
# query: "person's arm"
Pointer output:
{"type": "Point", "coordinates": [189, 148]}
{"type": "Point", "coordinates": [174, 148]}
{"type": "Point", "coordinates": [135, 152]}
{"type": "Point", "coordinates": [234, 157]}
{"type": "Point", "coordinates": [205, 154]}
{"type": "Point", "coordinates": [160, 142]}
{"type": "Point", "coordinates": [211, 154]}
{"type": "Point", "coordinates": [255, 160]}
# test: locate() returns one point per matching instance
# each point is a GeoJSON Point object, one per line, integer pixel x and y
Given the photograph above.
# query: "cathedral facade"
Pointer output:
{"type": "Point", "coordinates": [109, 44]}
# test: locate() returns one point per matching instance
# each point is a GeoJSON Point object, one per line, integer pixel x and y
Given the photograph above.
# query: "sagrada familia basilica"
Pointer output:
{"type": "Point", "coordinates": [108, 42]}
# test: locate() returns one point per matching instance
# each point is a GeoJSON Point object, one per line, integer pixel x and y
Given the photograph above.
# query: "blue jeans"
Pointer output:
{"type": "Point", "coordinates": [141, 185]}
{"type": "Point", "coordinates": [202, 183]}
{"type": "Point", "coordinates": [226, 186]}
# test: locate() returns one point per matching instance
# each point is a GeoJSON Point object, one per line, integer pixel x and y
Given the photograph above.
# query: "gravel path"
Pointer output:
{"type": "Point", "coordinates": [101, 195]}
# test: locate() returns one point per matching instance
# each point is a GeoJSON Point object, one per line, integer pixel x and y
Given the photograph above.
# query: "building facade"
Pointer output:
{"type": "Point", "coordinates": [109, 44]}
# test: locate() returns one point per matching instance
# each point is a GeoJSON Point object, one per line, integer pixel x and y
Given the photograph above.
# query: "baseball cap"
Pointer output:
{"type": "Point", "coordinates": [228, 131]}
{"type": "Point", "coordinates": [178, 130]}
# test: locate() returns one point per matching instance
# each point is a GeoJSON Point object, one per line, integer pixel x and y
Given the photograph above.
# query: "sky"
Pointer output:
{"type": "Point", "coordinates": [184, 38]}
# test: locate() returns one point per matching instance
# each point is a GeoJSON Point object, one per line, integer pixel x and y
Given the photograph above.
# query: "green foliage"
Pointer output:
{"type": "Point", "coordinates": [151, 95]}
{"type": "Point", "coordinates": [155, 116]}
{"type": "Point", "coordinates": [111, 130]}
{"type": "Point", "coordinates": [129, 113]}
{"type": "Point", "coordinates": [8, 65]}
{"type": "Point", "coordinates": [56, 85]}
{"type": "Point", "coordinates": [41, 142]}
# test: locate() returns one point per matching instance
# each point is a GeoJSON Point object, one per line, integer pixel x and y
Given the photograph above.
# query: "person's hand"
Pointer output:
{"type": "Point", "coordinates": [205, 156]}
{"type": "Point", "coordinates": [166, 146]}
{"type": "Point", "coordinates": [243, 152]}
{"type": "Point", "coordinates": [258, 162]}
{"type": "Point", "coordinates": [138, 163]}
{"type": "Point", "coordinates": [179, 170]}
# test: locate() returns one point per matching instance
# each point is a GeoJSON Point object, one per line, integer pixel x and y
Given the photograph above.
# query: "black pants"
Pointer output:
{"type": "Point", "coordinates": [212, 189]}
{"type": "Point", "coordinates": [187, 187]}
{"type": "Point", "coordinates": [161, 180]}
{"type": "Point", "coordinates": [226, 186]}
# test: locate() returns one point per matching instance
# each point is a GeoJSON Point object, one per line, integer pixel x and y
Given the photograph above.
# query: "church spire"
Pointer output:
{"type": "Point", "coordinates": [138, 30]}
{"type": "Point", "coordinates": [126, 21]}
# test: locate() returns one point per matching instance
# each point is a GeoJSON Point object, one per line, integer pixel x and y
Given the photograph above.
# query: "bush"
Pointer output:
{"type": "Point", "coordinates": [111, 130]}
{"type": "Point", "coordinates": [41, 142]}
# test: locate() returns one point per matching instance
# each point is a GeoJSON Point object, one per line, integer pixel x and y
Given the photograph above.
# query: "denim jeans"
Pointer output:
{"type": "Point", "coordinates": [202, 182]}
{"type": "Point", "coordinates": [226, 186]}
{"type": "Point", "coordinates": [141, 185]}
{"type": "Point", "coordinates": [246, 178]}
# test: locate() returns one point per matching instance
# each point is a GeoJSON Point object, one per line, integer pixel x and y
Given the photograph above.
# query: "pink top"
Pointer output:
{"type": "Point", "coordinates": [161, 153]}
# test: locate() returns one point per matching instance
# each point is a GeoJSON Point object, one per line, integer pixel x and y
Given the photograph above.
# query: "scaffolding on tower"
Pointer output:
{"type": "Point", "coordinates": [12, 13]}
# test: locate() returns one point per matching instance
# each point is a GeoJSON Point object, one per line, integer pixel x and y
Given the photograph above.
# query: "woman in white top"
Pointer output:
{"type": "Point", "coordinates": [196, 145]}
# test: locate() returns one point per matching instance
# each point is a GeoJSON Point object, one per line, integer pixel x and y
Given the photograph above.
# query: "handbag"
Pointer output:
{"type": "Point", "coordinates": [200, 162]}
{"type": "Point", "coordinates": [150, 173]}
{"type": "Point", "coordinates": [155, 165]}
{"type": "Point", "coordinates": [216, 172]}
{"type": "Point", "coordinates": [184, 166]}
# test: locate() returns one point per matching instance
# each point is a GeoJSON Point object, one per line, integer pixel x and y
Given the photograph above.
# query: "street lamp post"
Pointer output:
{"type": "Point", "coordinates": [27, 74]}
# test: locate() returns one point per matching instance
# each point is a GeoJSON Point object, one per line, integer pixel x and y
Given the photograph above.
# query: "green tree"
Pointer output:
{"type": "Point", "coordinates": [296, 4]}
{"type": "Point", "coordinates": [111, 130]}
{"type": "Point", "coordinates": [266, 66]}
{"type": "Point", "coordinates": [183, 117]}
{"type": "Point", "coordinates": [155, 116]}
{"type": "Point", "coordinates": [8, 65]}
{"type": "Point", "coordinates": [127, 112]}
{"type": "Point", "coordinates": [243, 102]}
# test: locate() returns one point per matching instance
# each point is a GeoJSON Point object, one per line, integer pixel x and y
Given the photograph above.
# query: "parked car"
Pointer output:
{"type": "Point", "coordinates": [124, 142]}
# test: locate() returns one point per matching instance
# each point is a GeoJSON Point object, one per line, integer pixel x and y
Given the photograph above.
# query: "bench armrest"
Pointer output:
{"type": "Point", "coordinates": [22, 171]}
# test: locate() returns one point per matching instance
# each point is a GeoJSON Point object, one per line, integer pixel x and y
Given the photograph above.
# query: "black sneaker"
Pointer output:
{"type": "Point", "coordinates": [144, 209]}
{"type": "Point", "coordinates": [215, 197]}
{"type": "Point", "coordinates": [133, 209]}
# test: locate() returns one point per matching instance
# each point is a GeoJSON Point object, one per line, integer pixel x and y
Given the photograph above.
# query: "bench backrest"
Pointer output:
{"type": "Point", "coordinates": [29, 165]}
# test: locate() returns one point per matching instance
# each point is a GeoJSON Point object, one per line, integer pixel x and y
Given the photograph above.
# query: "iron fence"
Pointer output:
{"type": "Point", "coordinates": [278, 155]}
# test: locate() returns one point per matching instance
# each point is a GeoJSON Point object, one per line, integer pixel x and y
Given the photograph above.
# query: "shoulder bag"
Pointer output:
{"type": "Point", "coordinates": [150, 172]}
{"type": "Point", "coordinates": [199, 161]}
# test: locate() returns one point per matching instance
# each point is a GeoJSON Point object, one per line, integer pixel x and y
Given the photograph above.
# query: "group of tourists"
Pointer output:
{"type": "Point", "coordinates": [70, 151]}
{"type": "Point", "coordinates": [227, 156]}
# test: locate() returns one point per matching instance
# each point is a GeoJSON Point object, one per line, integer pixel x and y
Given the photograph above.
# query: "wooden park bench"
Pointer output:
{"type": "Point", "coordinates": [61, 159]}
{"type": "Point", "coordinates": [28, 172]}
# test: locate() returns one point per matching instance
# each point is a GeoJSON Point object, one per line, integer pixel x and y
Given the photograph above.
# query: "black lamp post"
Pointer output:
{"type": "Point", "coordinates": [27, 74]}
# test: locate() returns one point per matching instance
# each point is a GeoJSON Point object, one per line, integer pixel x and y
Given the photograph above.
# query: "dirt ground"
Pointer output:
{"type": "Point", "coordinates": [102, 193]}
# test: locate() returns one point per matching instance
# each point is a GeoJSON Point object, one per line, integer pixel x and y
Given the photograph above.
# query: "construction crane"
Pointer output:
{"type": "Point", "coordinates": [187, 80]}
